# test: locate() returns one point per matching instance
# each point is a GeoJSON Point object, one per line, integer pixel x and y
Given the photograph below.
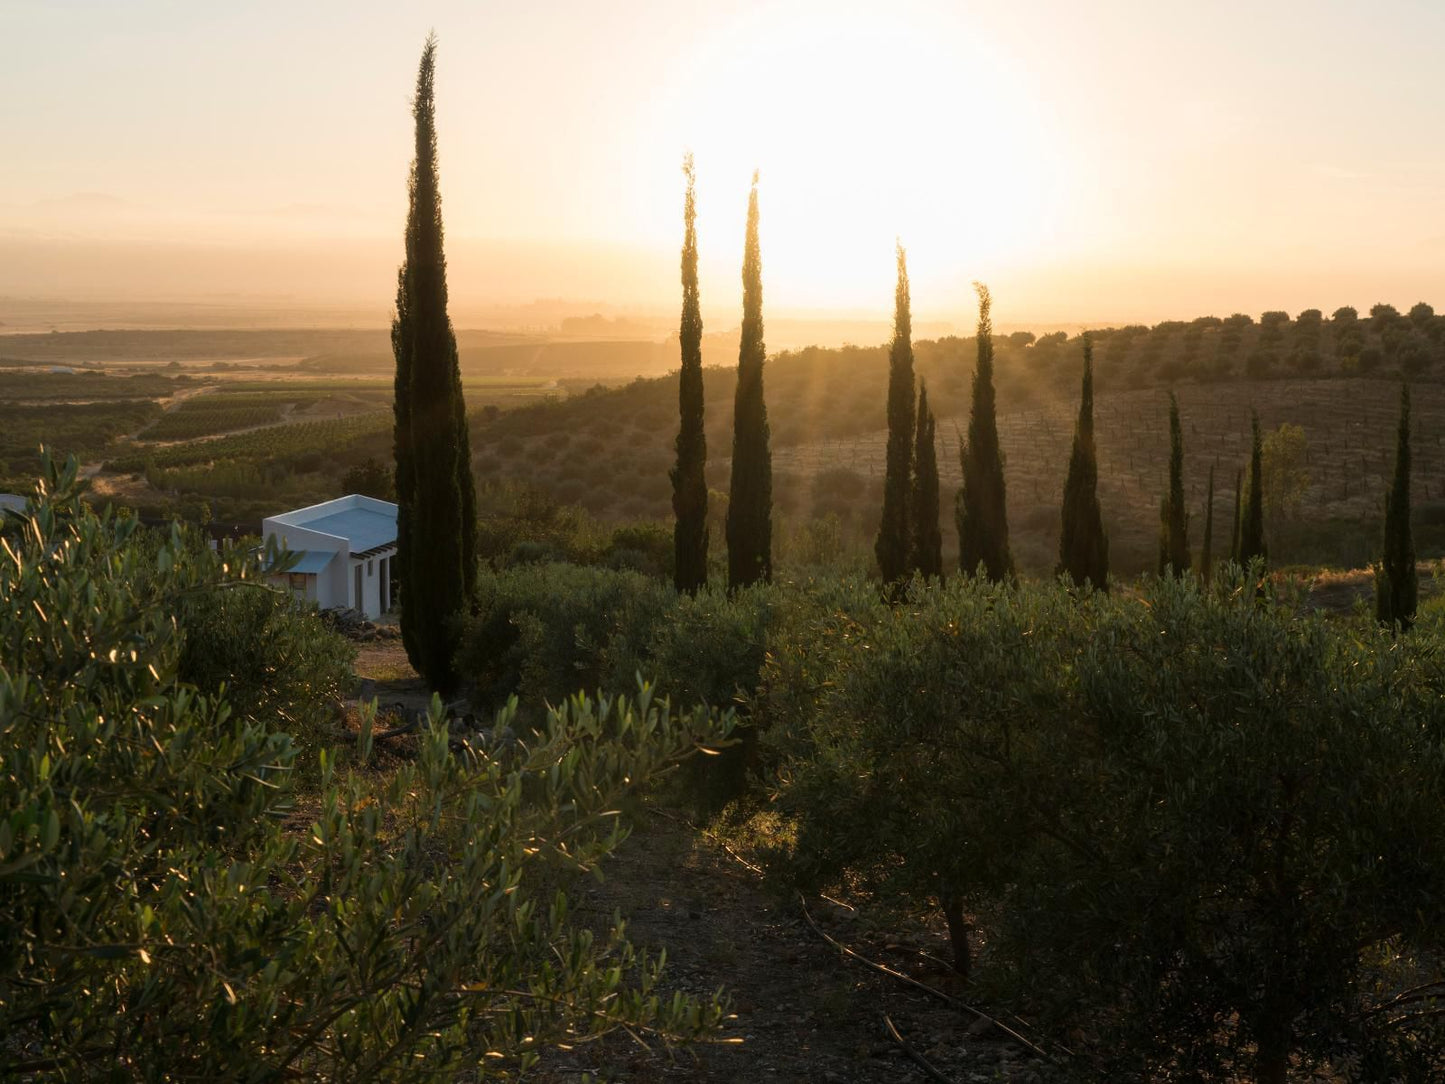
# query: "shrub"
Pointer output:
{"type": "Point", "coordinates": [165, 921]}
{"type": "Point", "coordinates": [276, 664]}
{"type": "Point", "coordinates": [547, 630]}
{"type": "Point", "coordinates": [1205, 829]}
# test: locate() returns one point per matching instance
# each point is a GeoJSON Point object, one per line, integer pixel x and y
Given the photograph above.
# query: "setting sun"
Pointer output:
{"type": "Point", "coordinates": [867, 126]}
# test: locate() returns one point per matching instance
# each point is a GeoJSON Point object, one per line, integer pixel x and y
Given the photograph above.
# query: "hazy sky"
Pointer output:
{"type": "Point", "coordinates": [1092, 161]}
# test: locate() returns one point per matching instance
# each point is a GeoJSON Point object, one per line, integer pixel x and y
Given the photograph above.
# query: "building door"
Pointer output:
{"type": "Point", "coordinates": [356, 603]}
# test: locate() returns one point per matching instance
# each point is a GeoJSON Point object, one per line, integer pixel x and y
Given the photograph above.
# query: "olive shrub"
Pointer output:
{"type": "Point", "coordinates": [175, 908]}
{"type": "Point", "coordinates": [1199, 822]}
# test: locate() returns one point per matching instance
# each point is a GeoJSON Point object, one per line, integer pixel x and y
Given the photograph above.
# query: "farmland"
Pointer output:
{"type": "Point", "coordinates": [162, 431]}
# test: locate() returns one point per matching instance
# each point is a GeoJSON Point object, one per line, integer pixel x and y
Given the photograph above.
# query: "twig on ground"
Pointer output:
{"type": "Point", "coordinates": [398, 731]}
{"type": "Point", "coordinates": [882, 968]}
{"type": "Point", "coordinates": [922, 1062]}
{"type": "Point", "coordinates": [710, 835]}
{"type": "Point", "coordinates": [911, 981]}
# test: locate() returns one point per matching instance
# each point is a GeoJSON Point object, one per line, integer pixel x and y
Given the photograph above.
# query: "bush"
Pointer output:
{"type": "Point", "coordinates": [276, 664]}
{"type": "Point", "coordinates": [165, 920]}
{"type": "Point", "coordinates": [1205, 829]}
{"type": "Point", "coordinates": [544, 631]}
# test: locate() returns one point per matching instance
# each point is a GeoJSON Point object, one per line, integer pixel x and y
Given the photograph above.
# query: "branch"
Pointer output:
{"type": "Point", "coordinates": [923, 1063]}
{"type": "Point", "coordinates": [910, 981]}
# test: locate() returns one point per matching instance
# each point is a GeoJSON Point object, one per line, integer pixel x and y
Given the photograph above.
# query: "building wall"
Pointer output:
{"type": "Point", "coordinates": [371, 602]}
{"type": "Point", "coordinates": [331, 582]}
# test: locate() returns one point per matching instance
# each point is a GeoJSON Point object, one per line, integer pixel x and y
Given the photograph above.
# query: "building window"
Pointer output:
{"type": "Point", "coordinates": [298, 581]}
{"type": "Point", "coordinates": [368, 570]}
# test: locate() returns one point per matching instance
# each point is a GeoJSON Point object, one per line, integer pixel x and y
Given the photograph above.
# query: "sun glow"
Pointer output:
{"type": "Point", "coordinates": [866, 128]}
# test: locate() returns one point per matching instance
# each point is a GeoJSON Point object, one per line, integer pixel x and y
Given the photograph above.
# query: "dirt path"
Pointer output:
{"type": "Point", "coordinates": [802, 1011]}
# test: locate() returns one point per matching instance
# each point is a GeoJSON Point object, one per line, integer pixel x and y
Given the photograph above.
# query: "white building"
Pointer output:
{"type": "Point", "coordinates": [346, 549]}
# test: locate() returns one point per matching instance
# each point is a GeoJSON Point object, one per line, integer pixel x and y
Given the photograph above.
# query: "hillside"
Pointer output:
{"type": "Point", "coordinates": [610, 449]}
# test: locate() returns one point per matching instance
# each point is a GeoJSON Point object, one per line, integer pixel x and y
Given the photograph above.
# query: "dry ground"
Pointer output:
{"type": "Point", "coordinates": [801, 1011]}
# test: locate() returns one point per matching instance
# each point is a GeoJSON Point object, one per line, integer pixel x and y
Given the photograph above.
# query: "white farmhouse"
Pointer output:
{"type": "Point", "coordinates": [346, 547]}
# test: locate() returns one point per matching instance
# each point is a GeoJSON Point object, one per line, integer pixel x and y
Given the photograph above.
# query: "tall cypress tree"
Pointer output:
{"type": "Point", "coordinates": [750, 494]}
{"type": "Point", "coordinates": [981, 510]}
{"type": "Point", "coordinates": [927, 539]}
{"type": "Point", "coordinates": [689, 476]}
{"type": "Point", "coordinates": [893, 544]}
{"type": "Point", "coordinates": [436, 543]}
{"type": "Point", "coordinates": [1251, 527]}
{"type": "Point", "coordinates": [1234, 527]}
{"type": "Point", "coordinates": [1206, 555]}
{"type": "Point", "coordinates": [1083, 545]}
{"type": "Point", "coordinates": [1173, 518]}
{"type": "Point", "coordinates": [1396, 585]}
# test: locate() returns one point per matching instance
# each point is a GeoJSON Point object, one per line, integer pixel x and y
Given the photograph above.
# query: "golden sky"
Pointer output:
{"type": "Point", "coordinates": [1098, 162]}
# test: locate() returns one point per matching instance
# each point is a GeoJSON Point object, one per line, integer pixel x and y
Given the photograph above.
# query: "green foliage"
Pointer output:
{"type": "Point", "coordinates": [1234, 536]}
{"type": "Point", "coordinates": [893, 544]}
{"type": "Point", "coordinates": [750, 496]}
{"type": "Point", "coordinates": [689, 474]}
{"type": "Point", "coordinates": [1284, 456]}
{"type": "Point", "coordinates": [1182, 843]}
{"type": "Point", "coordinates": [925, 538]}
{"type": "Point", "coordinates": [1396, 586]}
{"type": "Point", "coordinates": [291, 446]}
{"type": "Point", "coordinates": [86, 429]}
{"type": "Point", "coordinates": [547, 630]}
{"type": "Point", "coordinates": [981, 511]}
{"type": "Point", "coordinates": [1206, 553]}
{"type": "Point", "coordinates": [1083, 545]}
{"type": "Point", "coordinates": [371, 479]}
{"type": "Point", "coordinates": [165, 918]}
{"type": "Point", "coordinates": [436, 497]}
{"type": "Point", "coordinates": [1251, 527]}
{"type": "Point", "coordinates": [223, 412]}
{"type": "Point", "coordinates": [1173, 516]}
{"type": "Point", "coordinates": [276, 665]}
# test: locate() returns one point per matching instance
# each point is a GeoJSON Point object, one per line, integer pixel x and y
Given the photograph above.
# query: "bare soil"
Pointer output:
{"type": "Point", "coordinates": [801, 1011]}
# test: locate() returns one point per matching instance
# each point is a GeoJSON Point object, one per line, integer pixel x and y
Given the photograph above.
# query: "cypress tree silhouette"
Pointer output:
{"type": "Point", "coordinates": [1234, 527]}
{"type": "Point", "coordinates": [1173, 518]}
{"type": "Point", "coordinates": [981, 511]}
{"type": "Point", "coordinates": [894, 531]}
{"type": "Point", "coordinates": [750, 494]}
{"type": "Point", "coordinates": [1083, 545]}
{"type": "Point", "coordinates": [436, 536]}
{"type": "Point", "coordinates": [1396, 581]}
{"type": "Point", "coordinates": [689, 476]}
{"type": "Point", "coordinates": [927, 539]}
{"type": "Point", "coordinates": [1206, 555]}
{"type": "Point", "coordinates": [1251, 527]}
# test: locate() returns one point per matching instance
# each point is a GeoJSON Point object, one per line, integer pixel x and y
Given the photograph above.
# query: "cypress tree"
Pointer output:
{"type": "Point", "coordinates": [1083, 545]}
{"type": "Point", "coordinates": [981, 510]}
{"type": "Point", "coordinates": [1251, 527]}
{"type": "Point", "coordinates": [1173, 519]}
{"type": "Point", "coordinates": [1234, 527]}
{"type": "Point", "coordinates": [1396, 585]}
{"type": "Point", "coordinates": [689, 478]}
{"type": "Point", "coordinates": [927, 538]}
{"type": "Point", "coordinates": [436, 530]}
{"type": "Point", "coordinates": [1206, 555]}
{"type": "Point", "coordinates": [750, 494]}
{"type": "Point", "coordinates": [893, 544]}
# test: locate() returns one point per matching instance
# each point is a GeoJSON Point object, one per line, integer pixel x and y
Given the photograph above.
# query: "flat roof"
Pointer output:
{"type": "Point", "coordinates": [364, 528]}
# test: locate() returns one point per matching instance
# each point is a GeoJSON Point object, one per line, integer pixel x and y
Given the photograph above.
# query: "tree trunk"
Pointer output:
{"type": "Point", "coordinates": [958, 928]}
{"type": "Point", "coordinates": [1272, 1043]}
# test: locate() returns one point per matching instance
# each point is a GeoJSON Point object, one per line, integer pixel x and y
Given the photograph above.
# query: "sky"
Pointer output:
{"type": "Point", "coordinates": [1101, 162]}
